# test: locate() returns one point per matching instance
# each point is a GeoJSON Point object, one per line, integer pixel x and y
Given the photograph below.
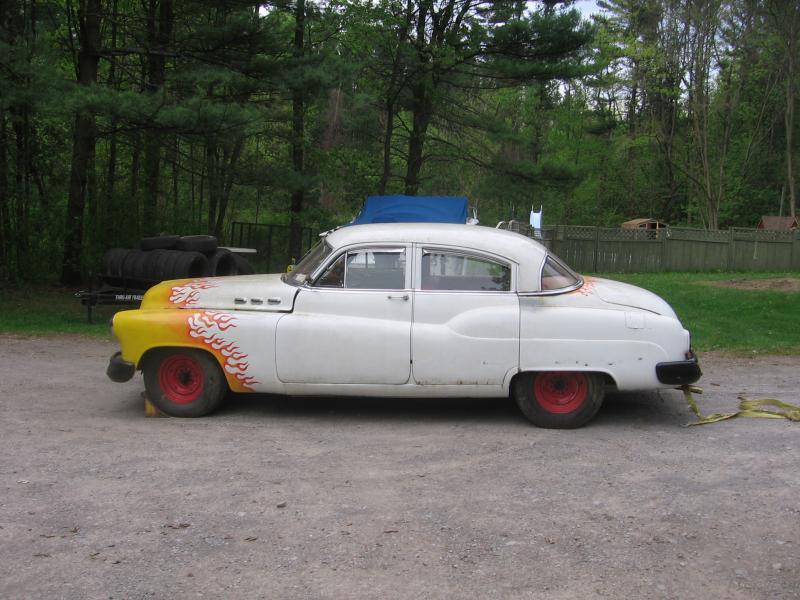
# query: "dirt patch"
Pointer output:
{"type": "Point", "coordinates": [776, 284]}
{"type": "Point", "coordinates": [363, 498]}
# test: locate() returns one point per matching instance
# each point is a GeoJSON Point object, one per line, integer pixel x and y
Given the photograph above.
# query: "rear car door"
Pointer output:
{"type": "Point", "coordinates": [466, 318]}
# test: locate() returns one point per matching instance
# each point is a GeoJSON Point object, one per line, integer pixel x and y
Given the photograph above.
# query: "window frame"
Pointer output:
{"type": "Point", "coordinates": [377, 247]}
{"type": "Point", "coordinates": [421, 249]}
{"type": "Point", "coordinates": [564, 290]}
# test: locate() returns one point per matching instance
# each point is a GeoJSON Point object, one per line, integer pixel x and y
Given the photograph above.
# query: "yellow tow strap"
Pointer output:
{"type": "Point", "coordinates": [747, 408]}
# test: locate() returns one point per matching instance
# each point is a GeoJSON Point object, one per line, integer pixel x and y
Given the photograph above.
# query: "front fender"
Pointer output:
{"type": "Point", "coordinates": [215, 332]}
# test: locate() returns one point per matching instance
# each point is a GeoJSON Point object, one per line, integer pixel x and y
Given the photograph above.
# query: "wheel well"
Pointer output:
{"type": "Point", "coordinates": [608, 380]}
{"type": "Point", "coordinates": [148, 353]}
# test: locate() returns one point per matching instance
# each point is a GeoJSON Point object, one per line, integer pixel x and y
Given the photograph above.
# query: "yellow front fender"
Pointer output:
{"type": "Point", "coordinates": [139, 331]}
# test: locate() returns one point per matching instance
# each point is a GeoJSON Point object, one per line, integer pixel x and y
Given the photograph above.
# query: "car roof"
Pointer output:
{"type": "Point", "coordinates": [522, 250]}
{"type": "Point", "coordinates": [517, 247]}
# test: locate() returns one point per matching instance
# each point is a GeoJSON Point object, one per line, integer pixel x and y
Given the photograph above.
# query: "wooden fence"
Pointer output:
{"type": "Point", "coordinates": [594, 249]}
{"type": "Point", "coordinates": [606, 250]}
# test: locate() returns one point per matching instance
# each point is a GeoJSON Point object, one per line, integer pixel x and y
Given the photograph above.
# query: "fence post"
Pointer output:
{"type": "Point", "coordinates": [662, 232]}
{"type": "Point", "coordinates": [731, 250]}
{"type": "Point", "coordinates": [269, 249]}
{"type": "Point", "coordinates": [596, 248]}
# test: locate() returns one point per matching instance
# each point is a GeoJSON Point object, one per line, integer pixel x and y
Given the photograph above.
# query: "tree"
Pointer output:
{"type": "Point", "coordinates": [84, 137]}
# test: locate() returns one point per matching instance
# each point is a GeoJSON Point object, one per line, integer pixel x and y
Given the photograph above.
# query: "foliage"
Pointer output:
{"type": "Point", "coordinates": [120, 119]}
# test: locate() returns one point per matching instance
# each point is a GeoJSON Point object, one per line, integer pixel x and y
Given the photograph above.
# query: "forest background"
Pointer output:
{"type": "Point", "coordinates": [126, 118]}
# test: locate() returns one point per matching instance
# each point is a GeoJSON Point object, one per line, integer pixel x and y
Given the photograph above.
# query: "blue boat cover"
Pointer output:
{"type": "Point", "coordinates": [413, 209]}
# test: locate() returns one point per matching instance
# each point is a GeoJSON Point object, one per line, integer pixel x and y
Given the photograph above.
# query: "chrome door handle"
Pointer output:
{"type": "Point", "coordinates": [403, 297]}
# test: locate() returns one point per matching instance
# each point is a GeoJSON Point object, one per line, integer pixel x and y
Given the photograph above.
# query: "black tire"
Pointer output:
{"type": "Point", "coordinates": [134, 269]}
{"type": "Point", "coordinates": [183, 382]}
{"type": "Point", "coordinates": [191, 264]}
{"type": "Point", "coordinates": [559, 399]}
{"type": "Point", "coordinates": [159, 242]}
{"type": "Point", "coordinates": [197, 243]}
{"type": "Point", "coordinates": [170, 265]}
{"type": "Point", "coordinates": [243, 266]}
{"type": "Point", "coordinates": [155, 264]}
{"type": "Point", "coordinates": [112, 262]}
{"type": "Point", "coordinates": [222, 263]}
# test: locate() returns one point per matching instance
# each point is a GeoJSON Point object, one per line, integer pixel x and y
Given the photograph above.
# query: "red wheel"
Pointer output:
{"type": "Point", "coordinates": [183, 382]}
{"type": "Point", "coordinates": [559, 399]}
{"type": "Point", "coordinates": [560, 393]}
{"type": "Point", "coordinates": [181, 378]}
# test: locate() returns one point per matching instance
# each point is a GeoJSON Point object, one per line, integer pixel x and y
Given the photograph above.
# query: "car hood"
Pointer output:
{"type": "Point", "coordinates": [624, 294]}
{"type": "Point", "coordinates": [266, 293]}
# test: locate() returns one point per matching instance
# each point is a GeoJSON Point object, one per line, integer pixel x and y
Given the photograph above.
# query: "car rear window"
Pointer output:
{"type": "Point", "coordinates": [557, 276]}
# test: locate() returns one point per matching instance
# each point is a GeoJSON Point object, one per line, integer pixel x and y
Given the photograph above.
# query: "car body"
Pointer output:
{"type": "Point", "coordinates": [407, 310]}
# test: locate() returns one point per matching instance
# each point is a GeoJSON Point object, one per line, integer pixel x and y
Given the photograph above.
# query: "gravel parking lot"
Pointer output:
{"type": "Point", "coordinates": [371, 498]}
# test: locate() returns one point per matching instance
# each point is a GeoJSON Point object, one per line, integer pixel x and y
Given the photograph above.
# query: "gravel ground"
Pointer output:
{"type": "Point", "coordinates": [373, 498]}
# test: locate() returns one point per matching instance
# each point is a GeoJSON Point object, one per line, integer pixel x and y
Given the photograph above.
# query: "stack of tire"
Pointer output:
{"type": "Point", "coordinates": [171, 257]}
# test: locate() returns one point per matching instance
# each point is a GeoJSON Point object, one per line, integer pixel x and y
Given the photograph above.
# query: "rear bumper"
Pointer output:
{"type": "Point", "coordinates": [682, 372]}
{"type": "Point", "coordinates": [120, 370]}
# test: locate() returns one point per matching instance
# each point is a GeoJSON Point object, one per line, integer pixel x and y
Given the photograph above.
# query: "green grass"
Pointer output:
{"type": "Point", "coordinates": [38, 310]}
{"type": "Point", "coordinates": [740, 321]}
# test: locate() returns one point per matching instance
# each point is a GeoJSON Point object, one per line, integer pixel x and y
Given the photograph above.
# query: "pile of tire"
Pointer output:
{"type": "Point", "coordinates": [171, 257]}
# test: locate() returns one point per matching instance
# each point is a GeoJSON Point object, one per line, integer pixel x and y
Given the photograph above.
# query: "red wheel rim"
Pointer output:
{"type": "Point", "coordinates": [181, 379]}
{"type": "Point", "coordinates": [559, 392]}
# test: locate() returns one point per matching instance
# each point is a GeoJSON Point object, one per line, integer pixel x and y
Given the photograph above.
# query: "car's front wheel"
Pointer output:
{"type": "Point", "coordinates": [183, 382]}
{"type": "Point", "coordinates": [559, 399]}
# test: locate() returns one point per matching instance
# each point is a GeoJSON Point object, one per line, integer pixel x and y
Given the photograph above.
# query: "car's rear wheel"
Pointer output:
{"type": "Point", "coordinates": [183, 382]}
{"type": "Point", "coordinates": [559, 399]}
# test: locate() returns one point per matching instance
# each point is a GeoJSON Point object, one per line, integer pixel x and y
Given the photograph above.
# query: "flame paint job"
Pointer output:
{"type": "Point", "coordinates": [215, 331]}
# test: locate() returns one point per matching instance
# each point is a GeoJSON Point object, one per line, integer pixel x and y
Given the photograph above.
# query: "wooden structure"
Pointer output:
{"type": "Point", "coordinates": [648, 224]}
{"type": "Point", "coordinates": [773, 223]}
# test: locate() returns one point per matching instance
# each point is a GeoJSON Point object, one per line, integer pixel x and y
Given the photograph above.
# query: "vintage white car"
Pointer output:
{"type": "Point", "coordinates": [407, 310]}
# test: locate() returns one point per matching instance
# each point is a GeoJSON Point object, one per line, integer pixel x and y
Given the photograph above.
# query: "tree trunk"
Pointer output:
{"type": "Point", "coordinates": [159, 31]}
{"type": "Point", "coordinates": [298, 135]}
{"type": "Point", "coordinates": [388, 133]}
{"type": "Point", "coordinates": [421, 103]}
{"type": "Point", "coordinates": [789, 115]}
{"type": "Point", "coordinates": [5, 228]}
{"type": "Point", "coordinates": [212, 168]}
{"type": "Point", "coordinates": [83, 141]}
{"type": "Point", "coordinates": [226, 181]}
{"type": "Point", "coordinates": [392, 91]}
{"type": "Point", "coordinates": [21, 126]}
{"type": "Point", "coordinates": [421, 107]}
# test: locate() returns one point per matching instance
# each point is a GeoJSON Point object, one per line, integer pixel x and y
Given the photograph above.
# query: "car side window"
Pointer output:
{"type": "Point", "coordinates": [333, 277]}
{"type": "Point", "coordinates": [367, 269]}
{"type": "Point", "coordinates": [376, 269]}
{"type": "Point", "coordinates": [442, 270]}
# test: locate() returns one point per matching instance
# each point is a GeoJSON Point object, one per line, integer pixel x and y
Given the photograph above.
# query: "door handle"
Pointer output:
{"type": "Point", "coordinates": [403, 297]}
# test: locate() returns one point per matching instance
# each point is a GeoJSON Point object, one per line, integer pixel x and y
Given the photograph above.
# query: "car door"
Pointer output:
{"type": "Point", "coordinates": [466, 318]}
{"type": "Point", "coordinates": [353, 323]}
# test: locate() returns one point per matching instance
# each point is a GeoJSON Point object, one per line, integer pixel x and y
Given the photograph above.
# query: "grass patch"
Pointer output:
{"type": "Point", "coordinates": [37, 310]}
{"type": "Point", "coordinates": [743, 321]}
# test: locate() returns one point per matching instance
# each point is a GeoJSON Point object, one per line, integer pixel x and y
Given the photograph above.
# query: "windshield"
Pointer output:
{"type": "Point", "coordinates": [558, 276]}
{"type": "Point", "coordinates": [313, 259]}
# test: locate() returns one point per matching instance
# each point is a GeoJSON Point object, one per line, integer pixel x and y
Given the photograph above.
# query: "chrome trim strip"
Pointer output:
{"type": "Point", "coordinates": [565, 290]}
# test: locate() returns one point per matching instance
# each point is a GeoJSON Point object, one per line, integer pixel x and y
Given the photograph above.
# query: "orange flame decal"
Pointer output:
{"type": "Point", "coordinates": [587, 288]}
{"type": "Point", "coordinates": [188, 294]}
{"type": "Point", "coordinates": [209, 327]}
